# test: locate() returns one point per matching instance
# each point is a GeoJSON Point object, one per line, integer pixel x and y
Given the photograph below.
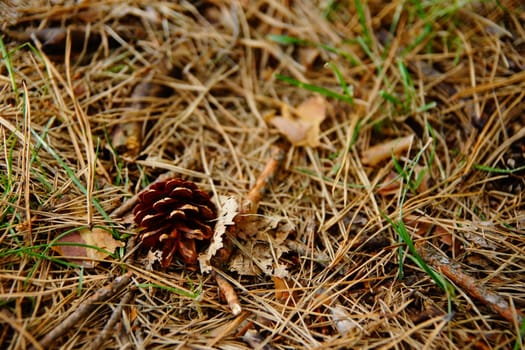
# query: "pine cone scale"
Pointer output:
{"type": "Point", "coordinates": [206, 212]}
{"type": "Point", "coordinates": [151, 196]}
{"type": "Point", "coordinates": [152, 222]}
{"type": "Point", "coordinates": [164, 204]}
{"type": "Point", "coordinates": [187, 249]}
{"type": "Point", "coordinates": [189, 209]}
{"type": "Point", "coordinates": [181, 192]}
{"type": "Point", "coordinates": [177, 214]}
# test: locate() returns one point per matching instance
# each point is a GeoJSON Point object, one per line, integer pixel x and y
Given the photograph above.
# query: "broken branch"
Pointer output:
{"type": "Point", "coordinates": [470, 285]}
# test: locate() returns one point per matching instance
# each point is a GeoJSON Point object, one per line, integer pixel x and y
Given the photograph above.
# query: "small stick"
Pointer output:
{"type": "Point", "coordinates": [453, 271]}
{"type": "Point", "coordinates": [229, 294]}
{"type": "Point", "coordinates": [126, 297]}
{"type": "Point", "coordinates": [113, 320]}
{"type": "Point", "coordinates": [85, 308]}
{"type": "Point", "coordinates": [253, 197]}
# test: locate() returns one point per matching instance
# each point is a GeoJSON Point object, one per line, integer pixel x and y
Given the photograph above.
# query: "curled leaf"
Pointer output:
{"type": "Point", "coordinates": [229, 209]}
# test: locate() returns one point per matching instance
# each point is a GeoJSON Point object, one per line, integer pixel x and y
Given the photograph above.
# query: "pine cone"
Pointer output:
{"type": "Point", "coordinates": [175, 216]}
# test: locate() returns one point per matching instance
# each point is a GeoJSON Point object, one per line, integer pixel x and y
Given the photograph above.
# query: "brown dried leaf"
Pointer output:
{"type": "Point", "coordinates": [390, 184]}
{"type": "Point", "coordinates": [304, 129]}
{"type": "Point", "coordinates": [264, 250]}
{"type": "Point", "coordinates": [85, 256]}
{"type": "Point", "coordinates": [283, 293]}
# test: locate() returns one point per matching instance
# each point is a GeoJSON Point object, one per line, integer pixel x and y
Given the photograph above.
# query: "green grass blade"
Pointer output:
{"type": "Point", "coordinates": [497, 170]}
{"type": "Point", "coordinates": [362, 21]}
{"type": "Point", "coordinates": [314, 88]}
{"type": "Point", "coordinates": [366, 49]}
{"type": "Point", "coordinates": [287, 40]}
{"type": "Point", "coordinates": [426, 107]}
{"type": "Point", "coordinates": [178, 291]}
{"type": "Point", "coordinates": [400, 228]}
{"type": "Point", "coordinates": [408, 84]}
{"type": "Point", "coordinates": [390, 98]}
{"type": "Point", "coordinates": [6, 57]}
{"type": "Point", "coordinates": [519, 338]}
{"type": "Point", "coordinates": [348, 91]}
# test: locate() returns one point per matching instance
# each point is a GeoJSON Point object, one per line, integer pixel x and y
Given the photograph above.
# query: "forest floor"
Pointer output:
{"type": "Point", "coordinates": [367, 159]}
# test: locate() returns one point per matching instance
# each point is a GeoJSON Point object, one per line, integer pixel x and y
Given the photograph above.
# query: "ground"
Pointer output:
{"type": "Point", "coordinates": [366, 158]}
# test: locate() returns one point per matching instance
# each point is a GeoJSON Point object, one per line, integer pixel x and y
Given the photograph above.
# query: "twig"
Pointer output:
{"type": "Point", "coordinates": [113, 320]}
{"type": "Point", "coordinates": [117, 312]}
{"type": "Point", "coordinates": [453, 271]}
{"type": "Point", "coordinates": [229, 294]}
{"type": "Point", "coordinates": [85, 308]}
{"type": "Point", "coordinates": [249, 206]}
{"type": "Point", "coordinates": [253, 197]}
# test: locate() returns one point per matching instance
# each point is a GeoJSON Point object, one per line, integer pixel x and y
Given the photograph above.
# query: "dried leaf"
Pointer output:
{"type": "Point", "coordinates": [478, 239]}
{"type": "Point", "coordinates": [304, 129]}
{"type": "Point", "coordinates": [86, 256]}
{"type": "Point", "coordinates": [151, 258]}
{"type": "Point", "coordinates": [382, 151]}
{"type": "Point", "coordinates": [390, 184]}
{"type": "Point", "coordinates": [256, 340]}
{"type": "Point", "coordinates": [229, 208]}
{"type": "Point", "coordinates": [264, 250]}
{"type": "Point", "coordinates": [283, 294]}
{"type": "Point", "coordinates": [342, 320]}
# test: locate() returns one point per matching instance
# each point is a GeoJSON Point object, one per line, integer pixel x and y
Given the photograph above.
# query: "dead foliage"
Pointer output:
{"type": "Point", "coordinates": [389, 119]}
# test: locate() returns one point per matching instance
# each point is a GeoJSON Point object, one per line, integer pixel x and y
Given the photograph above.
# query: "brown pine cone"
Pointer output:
{"type": "Point", "coordinates": [176, 217]}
